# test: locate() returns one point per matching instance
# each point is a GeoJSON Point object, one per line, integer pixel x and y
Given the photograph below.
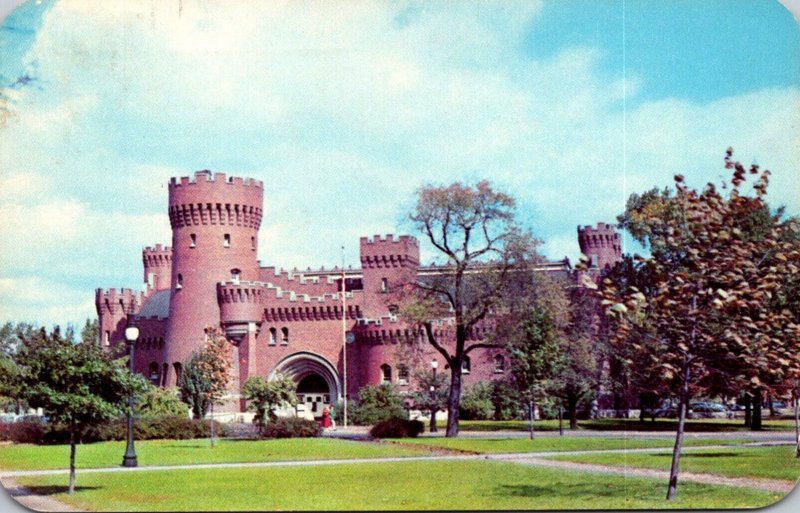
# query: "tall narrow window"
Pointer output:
{"type": "Point", "coordinates": [235, 276]}
{"type": "Point", "coordinates": [226, 240]}
{"type": "Point", "coordinates": [107, 338]}
{"type": "Point", "coordinates": [179, 283]}
{"type": "Point", "coordinates": [193, 240]}
{"type": "Point", "coordinates": [253, 243]}
{"type": "Point", "coordinates": [384, 285]}
{"type": "Point", "coordinates": [284, 335]}
{"type": "Point", "coordinates": [273, 336]}
{"type": "Point", "coordinates": [386, 373]}
{"type": "Point", "coordinates": [465, 365]}
{"type": "Point", "coordinates": [402, 375]}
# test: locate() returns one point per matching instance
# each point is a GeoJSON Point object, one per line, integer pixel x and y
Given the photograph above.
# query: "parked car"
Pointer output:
{"type": "Point", "coordinates": [707, 410]}
{"type": "Point", "coordinates": [8, 418]}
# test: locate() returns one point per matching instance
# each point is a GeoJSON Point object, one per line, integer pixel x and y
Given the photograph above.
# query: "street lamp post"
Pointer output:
{"type": "Point", "coordinates": [433, 429]}
{"type": "Point", "coordinates": [129, 460]}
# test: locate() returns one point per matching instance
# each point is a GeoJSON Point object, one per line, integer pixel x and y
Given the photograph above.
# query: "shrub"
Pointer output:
{"type": "Point", "coordinates": [23, 432]}
{"type": "Point", "coordinates": [291, 427]}
{"type": "Point", "coordinates": [160, 402]}
{"type": "Point", "coordinates": [505, 400]}
{"type": "Point", "coordinates": [476, 403]}
{"type": "Point", "coordinates": [376, 403]}
{"type": "Point", "coordinates": [396, 427]}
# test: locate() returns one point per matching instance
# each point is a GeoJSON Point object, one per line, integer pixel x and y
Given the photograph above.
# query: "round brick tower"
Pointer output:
{"type": "Point", "coordinates": [601, 245]}
{"type": "Point", "coordinates": [215, 225]}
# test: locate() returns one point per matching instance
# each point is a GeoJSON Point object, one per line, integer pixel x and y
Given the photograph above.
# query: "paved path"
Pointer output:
{"type": "Point", "coordinates": [32, 501]}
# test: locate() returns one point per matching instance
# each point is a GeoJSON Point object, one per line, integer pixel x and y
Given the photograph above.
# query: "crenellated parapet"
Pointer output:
{"type": "Point", "coordinates": [378, 252]}
{"type": "Point", "coordinates": [157, 262]}
{"type": "Point", "coordinates": [601, 245]}
{"type": "Point", "coordinates": [118, 301]}
{"type": "Point", "coordinates": [213, 199]}
{"type": "Point", "coordinates": [257, 301]}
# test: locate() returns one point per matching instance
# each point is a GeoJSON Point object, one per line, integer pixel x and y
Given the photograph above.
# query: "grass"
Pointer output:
{"type": "Point", "coordinates": [692, 425]}
{"type": "Point", "coordinates": [470, 485]}
{"type": "Point", "coordinates": [758, 462]}
{"type": "Point", "coordinates": [180, 452]}
{"type": "Point", "coordinates": [565, 443]}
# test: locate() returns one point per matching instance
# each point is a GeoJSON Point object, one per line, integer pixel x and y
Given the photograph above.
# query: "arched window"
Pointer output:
{"type": "Point", "coordinates": [466, 365]}
{"type": "Point", "coordinates": [499, 364]}
{"type": "Point", "coordinates": [386, 373]}
{"type": "Point", "coordinates": [179, 283]}
{"type": "Point", "coordinates": [273, 336]}
{"type": "Point", "coordinates": [402, 375]}
{"type": "Point", "coordinates": [178, 373]}
{"type": "Point", "coordinates": [284, 335]}
{"type": "Point", "coordinates": [226, 240]}
{"type": "Point", "coordinates": [235, 276]}
{"type": "Point", "coordinates": [384, 285]}
{"type": "Point", "coordinates": [192, 240]}
{"type": "Point", "coordinates": [153, 375]}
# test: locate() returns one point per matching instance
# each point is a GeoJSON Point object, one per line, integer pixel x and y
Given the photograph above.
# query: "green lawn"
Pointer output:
{"type": "Point", "coordinates": [177, 452]}
{"type": "Point", "coordinates": [692, 425]}
{"type": "Point", "coordinates": [565, 443]}
{"type": "Point", "coordinates": [767, 462]}
{"type": "Point", "coordinates": [469, 485]}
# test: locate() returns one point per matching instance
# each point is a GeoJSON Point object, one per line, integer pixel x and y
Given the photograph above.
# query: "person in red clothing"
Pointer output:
{"type": "Point", "coordinates": [326, 418]}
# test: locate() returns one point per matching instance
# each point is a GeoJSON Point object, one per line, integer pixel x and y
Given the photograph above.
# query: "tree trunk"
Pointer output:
{"type": "Point", "coordinates": [71, 458]}
{"type": "Point", "coordinates": [676, 451]}
{"type": "Point", "coordinates": [453, 400]}
{"type": "Point", "coordinates": [748, 411]}
{"type": "Point", "coordinates": [771, 404]}
{"type": "Point", "coordinates": [530, 416]}
{"type": "Point", "coordinates": [560, 420]}
{"type": "Point", "coordinates": [797, 419]}
{"type": "Point", "coordinates": [213, 431]}
{"type": "Point", "coordinates": [756, 421]}
{"type": "Point", "coordinates": [572, 405]}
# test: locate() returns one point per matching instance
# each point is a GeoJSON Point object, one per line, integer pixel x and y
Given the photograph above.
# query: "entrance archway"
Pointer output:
{"type": "Point", "coordinates": [317, 381]}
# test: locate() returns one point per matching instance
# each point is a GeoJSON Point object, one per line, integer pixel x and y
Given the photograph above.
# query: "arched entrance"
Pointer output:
{"type": "Point", "coordinates": [317, 381]}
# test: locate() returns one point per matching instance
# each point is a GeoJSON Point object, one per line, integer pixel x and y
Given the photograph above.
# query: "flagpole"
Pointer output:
{"type": "Point", "coordinates": [344, 345]}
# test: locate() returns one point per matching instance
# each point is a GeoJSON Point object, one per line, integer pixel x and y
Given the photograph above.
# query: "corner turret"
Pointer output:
{"type": "Point", "coordinates": [601, 245]}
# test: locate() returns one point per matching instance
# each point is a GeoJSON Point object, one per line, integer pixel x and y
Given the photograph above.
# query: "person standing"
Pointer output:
{"type": "Point", "coordinates": [326, 418]}
{"type": "Point", "coordinates": [332, 415]}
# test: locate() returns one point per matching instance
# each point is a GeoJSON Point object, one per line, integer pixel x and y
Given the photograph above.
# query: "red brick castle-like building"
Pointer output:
{"type": "Point", "coordinates": [282, 321]}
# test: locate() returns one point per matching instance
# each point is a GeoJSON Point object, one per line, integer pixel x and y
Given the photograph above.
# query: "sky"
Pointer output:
{"type": "Point", "coordinates": [344, 109]}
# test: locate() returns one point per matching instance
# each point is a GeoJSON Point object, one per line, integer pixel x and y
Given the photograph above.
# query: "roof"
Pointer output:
{"type": "Point", "coordinates": [156, 305]}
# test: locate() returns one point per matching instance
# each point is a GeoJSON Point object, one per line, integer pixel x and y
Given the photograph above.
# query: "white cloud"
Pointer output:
{"type": "Point", "coordinates": [343, 110]}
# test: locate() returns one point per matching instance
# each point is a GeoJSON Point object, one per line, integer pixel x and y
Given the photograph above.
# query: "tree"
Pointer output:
{"type": "Point", "coordinates": [430, 393]}
{"type": "Point", "coordinates": [474, 229]}
{"type": "Point", "coordinates": [75, 384]}
{"type": "Point", "coordinates": [709, 316]}
{"type": "Point", "coordinates": [534, 350]}
{"type": "Point", "coordinates": [156, 401]}
{"type": "Point", "coordinates": [206, 375]}
{"type": "Point", "coordinates": [265, 396]}
{"type": "Point", "coordinates": [377, 403]}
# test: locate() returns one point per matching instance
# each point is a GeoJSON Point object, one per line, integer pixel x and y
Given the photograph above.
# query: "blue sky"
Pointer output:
{"type": "Point", "coordinates": [344, 109]}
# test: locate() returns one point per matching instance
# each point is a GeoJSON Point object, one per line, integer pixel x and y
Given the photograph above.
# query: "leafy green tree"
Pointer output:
{"type": "Point", "coordinates": [265, 396]}
{"type": "Point", "coordinates": [476, 403]}
{"type": "Point", "coordinates": [160, 402]}
{"type": "Point", "coordinates": [534, 350]}
{"type": "Point", "coordinates": [710, 317]}
{"type": "Point", "coordinates": [90, 334]}
{"type": "Point", "coordinates": [75, 384]}
{"type": "Point", "coordinates": [430, 400]}
{"type": "Point", "coordinates": [377, 403]}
